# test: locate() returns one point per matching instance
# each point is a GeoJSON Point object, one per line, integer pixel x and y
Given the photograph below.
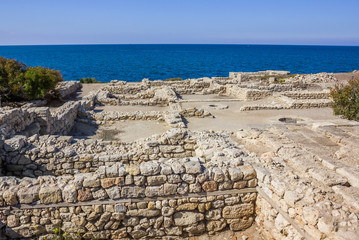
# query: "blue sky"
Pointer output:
{"type": "Point", "coordinates": [313, 22]}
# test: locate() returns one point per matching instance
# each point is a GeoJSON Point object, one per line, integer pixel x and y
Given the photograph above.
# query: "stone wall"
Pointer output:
{"type": "Point", "coordinates": [150, 188]}
{"type": "Point", "coordinates": [59, 120]}
{"type": "Point", "coordinates": [245, 76]}
{"type": "Point", "coordinates": [13, 120]}
{"type": "Point", "coordinates": [246, 94]}
{"type": "Point", "coordinates": [68, 88]}
{"type": "Point", "coordinates": [58, 155]}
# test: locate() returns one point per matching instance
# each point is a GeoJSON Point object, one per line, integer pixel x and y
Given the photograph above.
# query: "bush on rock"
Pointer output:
{"type": "Point", "coordinates": [346, 99]}
{"type": "Point", "coordinates": [19, 82]}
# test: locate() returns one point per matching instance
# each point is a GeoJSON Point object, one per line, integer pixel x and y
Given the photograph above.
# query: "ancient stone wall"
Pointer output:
{"type": "Point", "coordinates": [68, 88]}
{"type": "Point", "coordinates": [150, 188]}
{"type": "Point", "coordinates": [246, 94]}
{"type": "Point", "coordinates": [13, 120]}
{"type": "Point", "coordinates": [58, 155]}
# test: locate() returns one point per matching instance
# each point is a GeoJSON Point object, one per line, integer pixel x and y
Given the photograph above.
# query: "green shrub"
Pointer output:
{"type": "Point", "coordinates": [89, 80]}
{"type": "Point", "coordinates": [39, 81]}
{"type": "Point", "coordinates": [346, 99]}
{"type": "Point", "coordinates": [173, 79]}
{"type": "Point", "coordinates": [19, 82]}
{"type": "Point", "coordinates": [11, 78]}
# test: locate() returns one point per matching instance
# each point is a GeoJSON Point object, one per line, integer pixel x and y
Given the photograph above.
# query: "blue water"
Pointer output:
{"type": "Point", "coordinates": [135, 62]}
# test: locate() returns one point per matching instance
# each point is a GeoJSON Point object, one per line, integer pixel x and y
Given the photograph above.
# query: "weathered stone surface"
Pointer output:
{"type": "Point", "coordinates": [214, 214]}
{"type": "Point", "coordinates": [169, 189]}
{"type": "Point", "coordinates": [50, 194]}
{"type": "Point", "coordinates": [235, 174]}
{"type": "Point", "coordinates": [149, 168]}
{"type": "Point", "coordinates": [133, 169]}
{"type": "Point", "coordinates": [187, 207]}
{"type": "Point", "coordinates": [113, 192]}
{"type": "Point", "coordinates": [310, 215]}
{"type": "Point", "coordinates": [187, 218]}
{"type": "Point", "coordinates": [215, 226]}
{"type": "Point", "coordinates": [28, 195]}
{"type": "Point", "coordinates": [156, 180]}
{"type": "Point", "coordinates": [108, 182]}
{"type": "Point", "coordinates": [248, 172]}
{"type": "Point", "coordinates": [210, 186]}
{"type": "Point", "coordinates": [143, 213]}
{"type": "Point", "coordinates": [69, 193]}
{"type": "Point", "coordinates": [237, 211]}
{"type": "Point", "coordinates": [218, 174]}
{"type": "Point", "coordinates": [15, 143]}
{"type": "Point", "coordinates": [154, 191]}
{"type": "Point", "coordinates": [91, 182]}
{"type": "Point", "coordinates": [10, 197]}
{"type": "Point", "coordinates": [135, 191]}
{"type": "Point", "coordinates": [241, 224]}
{"type": "Point", "coordinates": [84, 195]}
{"type": "Point", "coordinates": [193, 166]}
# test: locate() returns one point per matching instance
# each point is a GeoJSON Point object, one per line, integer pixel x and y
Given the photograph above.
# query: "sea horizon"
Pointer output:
{"type": "Point", "coordinates": [244, 44]}
{"type": "Point", "coordinates": [133, 62]}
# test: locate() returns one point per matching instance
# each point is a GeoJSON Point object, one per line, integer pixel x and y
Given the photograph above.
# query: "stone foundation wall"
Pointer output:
{"type": "Point", "coordinates": [176, 197]}
{"type": "Point", "coordinates": [68, 88]}
{"type": "Point", "coordinates": [59, 120]}
{"type": "Point", "coordinates": [245, 94]}
{"type": "Point", "coordinates": [307, 95]}
{"type": "Point", "coordinates": [58, 155]}
{"type": "Point", "coordinates": [14, 120]}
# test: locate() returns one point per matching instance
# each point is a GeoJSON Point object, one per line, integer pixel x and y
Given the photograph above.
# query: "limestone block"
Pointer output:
{"type": "Point", "coordinates": [149, 168]}
{"type": "Point", "coordinates": [28, 195]}
{"type": "Point", "coordinates": [187, 218]}
{"type": "Point", "coordinates": [49, 194]}
{"type": "Point", "coordinates": [132, 192]}
{"type": "Point", "coordinates": [237, 211]}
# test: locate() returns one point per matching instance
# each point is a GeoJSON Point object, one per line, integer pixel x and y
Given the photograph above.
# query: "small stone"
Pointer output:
{"type": "Point", "coordinates": [156, 180]}
{"type": "Point", "coordinates": [70, 193]}
{"type": "Point", "coordinates": [133, 169]}
{"type": "Point", "coordinates": [187, 207]}
{"type": "Point", "coordinates": [84, 195]}
{"type": "Point", "coordinates": [91, 182]}
{"type": "Point", "coordinates": [169, 189]}
{"type": "Point", "coordinates": [132, 192]}
{"type": "Point", "coordinates": [149, 168]}
{"type": "Point", "coordinates": [235, 174]}
{"type": "Point", "coordinates": [154, 191]}
{"type": "Point", "coordinates": [187, 218]}
{"type": "Point", "coordinates": [210, 186]}
{"type": "Point", "coordinates": [108, 182]}
{"type": "Point", "coordinates": [238, 211]}
{"type": "Point", "coordinates": [248, 172]}
{"type": "Point", "coordinates": [113, 192]}
{"type": "Point", "coordinates": [193, 166]}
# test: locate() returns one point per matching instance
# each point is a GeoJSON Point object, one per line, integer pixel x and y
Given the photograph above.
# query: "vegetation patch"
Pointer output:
{"type": "Point", "coordinates": [173, 79]}
{"type": "Point", "coordinates": [19, 82]}
{"type": "Point", "coordinates": [89, 80]}
{"type": "Point", "coordinates": [346, 99]}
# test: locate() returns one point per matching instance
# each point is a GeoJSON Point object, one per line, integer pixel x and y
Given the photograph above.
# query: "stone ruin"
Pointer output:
{"type": "Point", "coordinates": [179, 183]}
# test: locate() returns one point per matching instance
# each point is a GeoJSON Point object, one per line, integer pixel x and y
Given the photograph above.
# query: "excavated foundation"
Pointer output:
{"type": "Point", "coordinates": [175, 160]}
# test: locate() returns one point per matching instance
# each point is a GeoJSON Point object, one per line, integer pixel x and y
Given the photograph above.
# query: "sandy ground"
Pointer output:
{"type": "Point", "coordinates": [346, 76]}
{"type": "Point", "coordinates": [125, 131]}
{"type": "Point", "coordinates": [86, 88]}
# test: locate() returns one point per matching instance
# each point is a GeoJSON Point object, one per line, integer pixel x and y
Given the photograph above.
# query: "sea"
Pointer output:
{"type": "Point", "coordinates": [162, 61]}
